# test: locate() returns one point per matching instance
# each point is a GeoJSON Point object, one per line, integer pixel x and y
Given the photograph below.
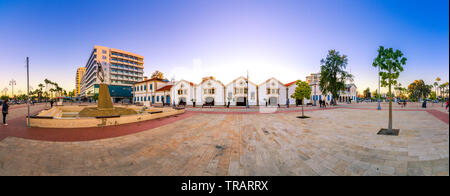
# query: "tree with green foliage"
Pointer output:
{"type": "Point", "coordinates": [95, 97]}
{"type": "Point", "coordinates": [302, 91]}
{"type": "Point", "coordinates": [419, 90]}
{"type": "Point", "coordinates": [432, 96]}
{"type": "Point", "coordinates": [71, 94]}
{"type": "Point", "coordinates": [375, 94]}
{"type": "Point", "coordinates": [333, 75]}
{"type": "Point", "coordinates": [391, 64]}
{"type": "Point", "coordinates": [4, 97]}
{"type": "Point", "coordinates": [366, 93]}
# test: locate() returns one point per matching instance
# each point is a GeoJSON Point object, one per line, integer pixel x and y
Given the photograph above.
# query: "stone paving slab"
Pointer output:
{"type": "Point", "coordinates": [331, 142]}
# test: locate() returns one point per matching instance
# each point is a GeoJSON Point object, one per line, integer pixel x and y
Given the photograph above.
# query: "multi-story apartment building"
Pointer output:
{"type": "Point", "coordinates": [80, 72]}
{"type": "Point", "coordinates": [122, 69]}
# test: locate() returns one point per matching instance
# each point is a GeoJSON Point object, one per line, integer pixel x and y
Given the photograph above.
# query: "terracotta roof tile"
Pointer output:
{"type": "Point", "coordinates": [165, 88]}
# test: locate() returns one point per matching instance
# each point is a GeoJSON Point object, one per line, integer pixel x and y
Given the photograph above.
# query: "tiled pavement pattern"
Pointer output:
{"type": "Point", "coordinates": [332, 142]}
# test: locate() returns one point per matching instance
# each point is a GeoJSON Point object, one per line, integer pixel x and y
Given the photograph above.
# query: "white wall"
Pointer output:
{"type": "Point", "coordinates": [218, 95]}
{"type": "Point", "coordinates": [182, 85]}
{"type": "Point", "coordinates": [281, 96]}
{"type": "Point", "coordinates": [241, 83]}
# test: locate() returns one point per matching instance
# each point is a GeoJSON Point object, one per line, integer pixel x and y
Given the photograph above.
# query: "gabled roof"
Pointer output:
{"type": "Point", "coordinates": [165, 88]}
{"type": "Point", "coordinates": [241, 77]}
{"type": "Point", "coordinates": [290, 83]}
{"type": "Point", "coordinates": [190, 83]}
{"type": "Point", "coordinates": [271, 79]}
{"type": "Point", "coordinates": [210, 78]}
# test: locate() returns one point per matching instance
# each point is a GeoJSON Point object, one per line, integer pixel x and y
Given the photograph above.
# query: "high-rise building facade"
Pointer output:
{"type": "Point", "coordinates": [80, 72]}
{"type": "Point", "coordinates": [122, 69]}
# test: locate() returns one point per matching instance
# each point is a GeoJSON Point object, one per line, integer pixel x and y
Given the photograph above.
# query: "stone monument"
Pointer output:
{"type": "Point", "coordinates": [104, 98]}
{"type": "Point", "coordinates": [104, 105]}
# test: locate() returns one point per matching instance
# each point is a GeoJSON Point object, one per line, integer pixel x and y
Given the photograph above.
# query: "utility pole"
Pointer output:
{"type": "Point", "coordinates": [28, 90]}
{"type": "Point", "coordinates": [379, 93]}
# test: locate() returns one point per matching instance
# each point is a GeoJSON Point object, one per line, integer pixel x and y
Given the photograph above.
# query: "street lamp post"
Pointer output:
{"type": "Point", "coordinates": [12, 83]}
{"type": "Point", "coordinates": [28, 92]}
{"type": "Point", "coordinates": [247, 106]}
{"type": "Point", "coordinates": [379, 93]}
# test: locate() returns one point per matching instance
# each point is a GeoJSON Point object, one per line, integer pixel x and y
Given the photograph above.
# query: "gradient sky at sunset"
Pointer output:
{"type": "Point", "coordinates": [189, 39]}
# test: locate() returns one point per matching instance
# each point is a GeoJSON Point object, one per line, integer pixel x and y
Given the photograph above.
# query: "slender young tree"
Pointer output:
{"type": "Point", "coordinates": [391, 64]}
{"type": "Point", "coordinates": [302, 91]}
{"type": "Point", "coordinates": [333, 74]}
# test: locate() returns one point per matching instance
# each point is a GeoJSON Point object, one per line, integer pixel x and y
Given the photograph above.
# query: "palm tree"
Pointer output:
{"type": "Point", "coordinates": [446, 89]}
{"type": "Point", "coordinates": [435, 84]}
{"type": "Point", "coordinates": [438, 79]}
{"type": "Point", "coordinates": [41, 86]}
{"type": "Point", "coordinates": [47, 82]}
{"type": "Point", "coordinates": [59, 90]}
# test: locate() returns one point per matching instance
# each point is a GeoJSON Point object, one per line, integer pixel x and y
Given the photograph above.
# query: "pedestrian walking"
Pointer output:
{"type": "Point", "coordinates": [51, 103]}
{"type": "Point", "coordinates": [5, 107]}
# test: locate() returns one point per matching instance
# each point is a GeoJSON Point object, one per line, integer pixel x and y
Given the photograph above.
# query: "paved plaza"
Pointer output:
{"type": "Point", "coordinates": [334, 141]}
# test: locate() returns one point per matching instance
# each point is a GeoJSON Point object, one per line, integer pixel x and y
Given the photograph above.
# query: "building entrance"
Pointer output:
{"type": "Point", "coordinates": [241, 101]}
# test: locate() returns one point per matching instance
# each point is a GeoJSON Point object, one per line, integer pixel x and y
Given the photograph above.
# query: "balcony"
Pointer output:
{"type": "Point", "coordinates": [126, 58]}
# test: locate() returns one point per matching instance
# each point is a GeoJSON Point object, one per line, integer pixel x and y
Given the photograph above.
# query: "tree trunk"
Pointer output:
{"type": "Point", "coordinates": [302, 111]}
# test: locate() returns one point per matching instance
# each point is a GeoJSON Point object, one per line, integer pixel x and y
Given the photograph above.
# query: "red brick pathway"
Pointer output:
{"type": "Point", "coordinates": [440, 115]}
{"type": "Point", "coordinates": [17, 128]}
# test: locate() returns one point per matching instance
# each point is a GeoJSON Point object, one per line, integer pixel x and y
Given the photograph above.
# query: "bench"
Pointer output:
{"type": "Point", "coordinates": [208, 104]}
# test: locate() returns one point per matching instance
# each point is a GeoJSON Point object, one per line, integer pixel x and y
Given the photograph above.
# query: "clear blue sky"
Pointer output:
{"type": "Point", "coordinates": [188, 39]}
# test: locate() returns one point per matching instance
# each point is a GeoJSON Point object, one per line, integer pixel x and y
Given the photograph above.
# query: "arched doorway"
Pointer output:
{"type": "Point", "coordinates": [241, 101]}
{"type": "Point", "coordinates": [182, 101]}
{"type": "Point", "coordinates": [209, 100]}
